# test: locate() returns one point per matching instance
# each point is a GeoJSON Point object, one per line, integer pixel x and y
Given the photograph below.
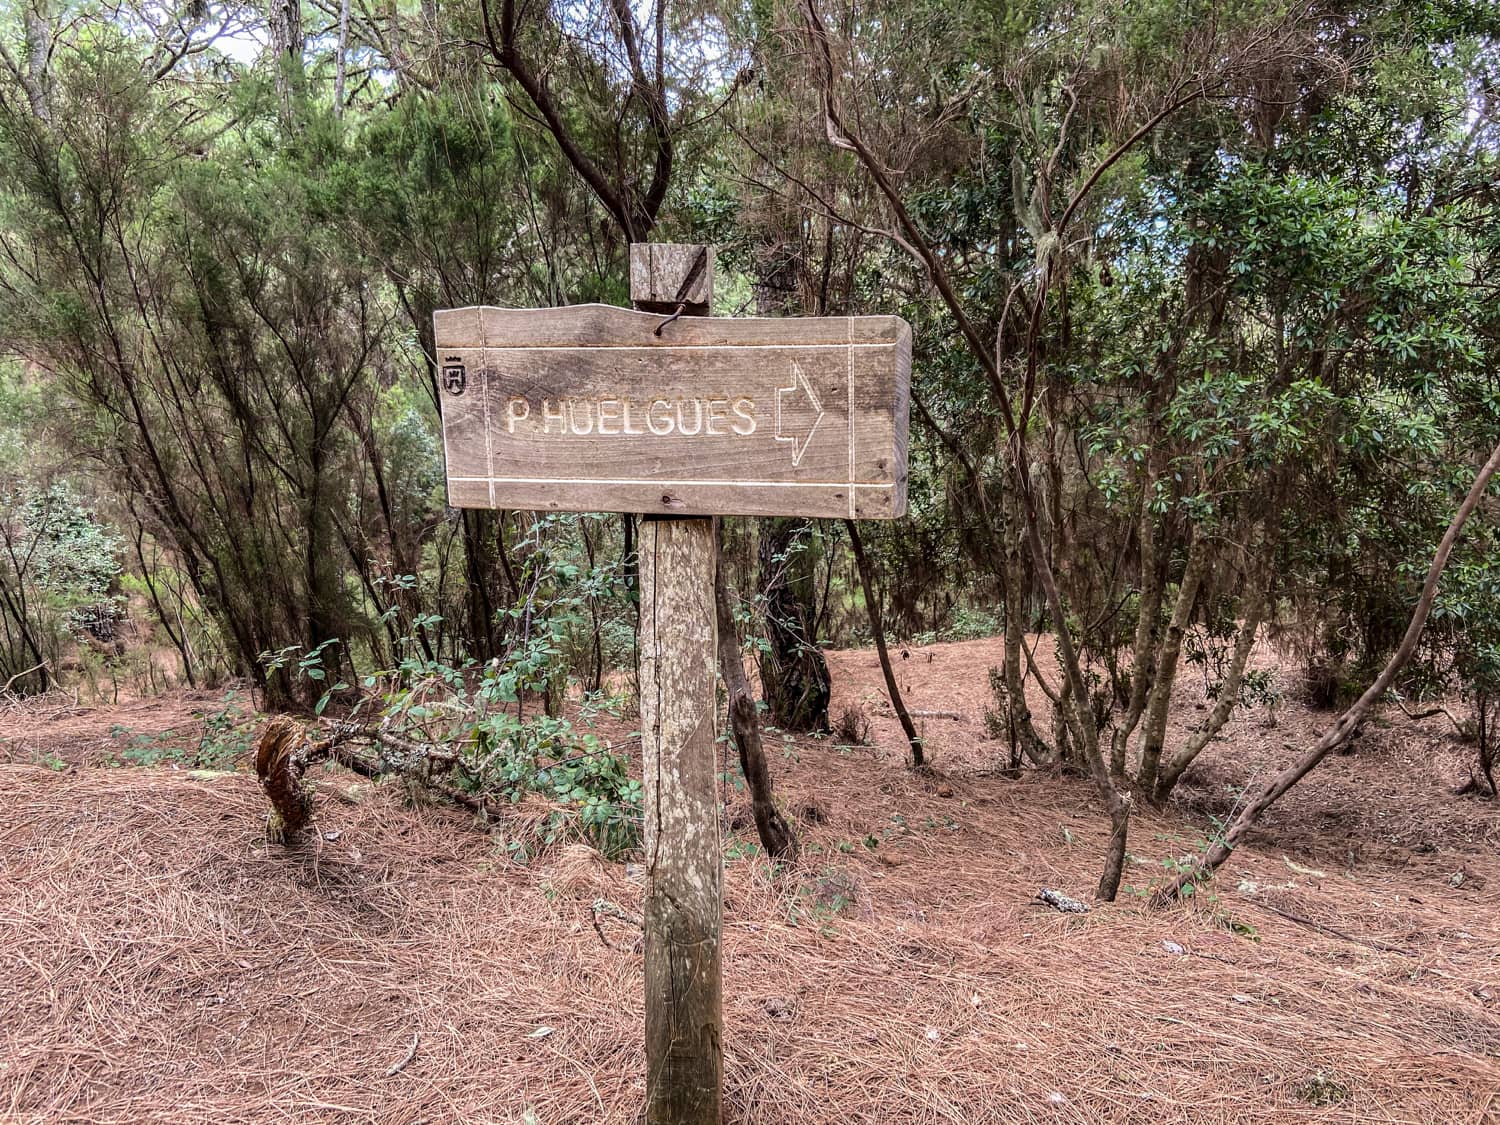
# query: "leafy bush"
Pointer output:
{"type": "Point", "coordinates": [58, 567]}
{"type": "Point", "coordinates": [467, 726]}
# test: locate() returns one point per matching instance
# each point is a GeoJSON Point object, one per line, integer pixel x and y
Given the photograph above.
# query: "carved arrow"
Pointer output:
{"type": "Point", "coordinates": [799, 444]}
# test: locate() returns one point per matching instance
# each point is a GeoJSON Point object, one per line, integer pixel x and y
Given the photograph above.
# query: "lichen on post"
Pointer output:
{"type": "Point", "coordinates": [683, 911]}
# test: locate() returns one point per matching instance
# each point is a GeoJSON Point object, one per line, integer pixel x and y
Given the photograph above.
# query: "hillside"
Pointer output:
{"type": "Point", "coordinates": [163, 962]}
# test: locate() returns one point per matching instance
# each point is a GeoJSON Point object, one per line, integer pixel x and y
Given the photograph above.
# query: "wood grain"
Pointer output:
{"type": "Point", "coordinates": [684, 872]}
{"type": "Point", "coordinates": [658, 271]}
{"type": "Point", "coordinates": [587, 409]}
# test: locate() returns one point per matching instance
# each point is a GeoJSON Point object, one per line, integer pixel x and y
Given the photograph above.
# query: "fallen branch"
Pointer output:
{"type": "Point", "coordinates": [1059, 901]}
{"type": "Point", "coordinates": [1344, 728]}
{"type": "Point", "coordinates": [604, 906]}
{"type": "Point", "coordinates": [283, 754]}
{"type": "Point", "coordinates": [1435, 709]}
{"type": "Point", "coordinates": [41, 666]}
{"type": "Point", "coordinates": [411, 1053]}
{"type": "Point", "coordinates": [1324, 928]}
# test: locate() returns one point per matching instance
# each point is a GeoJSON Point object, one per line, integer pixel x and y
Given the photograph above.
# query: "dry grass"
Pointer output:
{"type": "Point", "coordinates": [161, 962]}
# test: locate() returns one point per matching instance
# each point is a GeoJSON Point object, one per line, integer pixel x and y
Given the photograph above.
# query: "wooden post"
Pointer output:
{"type": "Point", "coordinates": [668, 411]}
{"type": "Point", "coordinates": [684, 868]}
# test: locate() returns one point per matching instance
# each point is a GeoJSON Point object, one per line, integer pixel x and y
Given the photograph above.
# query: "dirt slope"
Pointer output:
{"type": "Point", "coordinates": [161, 962]}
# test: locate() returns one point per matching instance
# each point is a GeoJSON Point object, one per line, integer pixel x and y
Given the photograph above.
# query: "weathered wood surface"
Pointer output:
{"type": "Point", "coordinates": [586, 408]}
{"type": "Point", "coordinates": [662, 274]}
{"type": "Point", "coordinates": [683, 909]}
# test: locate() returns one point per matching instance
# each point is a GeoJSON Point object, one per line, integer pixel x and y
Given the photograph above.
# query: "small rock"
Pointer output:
{"type": "Point", "coordinates": [1173, 948]}
{"type": "Point", "coordinates": [1059, 901]}
{"type": "Point", "coordinates": [779, 1008]}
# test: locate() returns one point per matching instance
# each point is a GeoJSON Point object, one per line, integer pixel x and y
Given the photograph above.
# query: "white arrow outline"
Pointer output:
{"type": "Point", "coordinates": [798, 376]}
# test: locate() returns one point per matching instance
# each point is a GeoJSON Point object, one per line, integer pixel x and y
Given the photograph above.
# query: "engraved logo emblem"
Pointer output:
{"type": "Point", "coordinates": [455, 378]}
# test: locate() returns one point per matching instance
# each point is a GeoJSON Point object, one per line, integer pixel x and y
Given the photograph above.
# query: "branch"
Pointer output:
{"type": "Point", "coordinates": [1345, 726]}
{"type": "Point", "coordinates": [503, 48]}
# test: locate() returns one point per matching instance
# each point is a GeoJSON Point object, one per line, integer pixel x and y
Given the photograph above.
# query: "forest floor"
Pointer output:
{"type": "Point", "coordinates": [160, 961]}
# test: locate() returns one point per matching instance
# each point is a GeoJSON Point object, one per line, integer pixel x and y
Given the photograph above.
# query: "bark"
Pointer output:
{"type": "Point", "coordinates": [1272, 789]}
{"type": "Point", "coordinates": [289, 41]}
{"type": "Point", "coordinates": [877, 629]}
{"type": "Point", "coordinates": [794, 673]}
{"type": "Point", "coordinates": [343, 60]}
{"type": "Point", "coordinates": [1167, 660]}
{"type": "Point", "coordinates": [37, 79]}
{"type": "Point", "coordinates": [1019, 722]}
{"type": "Point", "coordinates": [776, 835]}
{"type": "Point", "coordinates": [1229, 694]}
{"type": "Point", "coordinates": [1143, 653]}
{"type": "Point", "coordinates": [683, 909]}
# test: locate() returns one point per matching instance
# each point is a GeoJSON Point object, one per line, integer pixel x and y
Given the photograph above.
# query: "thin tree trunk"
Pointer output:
{"type": "Point", "coordinates": [1271, 790]}
{"type": "Point", "coordinates": [1143, 654]}
{"type": "Point", "coordinates": [1229, 695]}
{"type": "Point", "coordinates": [148, 576]}
{"type": "Point", "coordinates": [479, 565]}
{"type": "Point", "coordinates": [1116, 802]}
{"type": "Point", "coordinates": [877, 628]}
{"type": "Point", "coordinates": [1020, 730]}
{"type": "Point", "coordinates": [776, 835]}
{"type": "Point", "coordinates": [37, 78]}
{"type": "Point", "coordinates": [794, 673]}
{"type": "Point", "coordinates": [1167, 659]}
{"type": "Point", "coordinates": [1020, 724]}
{"type": "Point", "coordinates": [342, 64]}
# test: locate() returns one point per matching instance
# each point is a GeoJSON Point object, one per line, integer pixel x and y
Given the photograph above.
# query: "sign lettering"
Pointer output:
{"type": "Point", "coordinates": [587, 409]}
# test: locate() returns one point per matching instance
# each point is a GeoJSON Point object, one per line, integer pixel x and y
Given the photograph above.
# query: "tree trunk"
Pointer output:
{"type": "Point", "coordinates": [1343, 729]}
{"type": "Point", "coordinates": [1159, 707]}
{"type": "Point", "coordinates": [1229, 695]}
{"type": "Point", "coordinates": [793, 673]}
{"type": "Point", "coordinates": [1143, 654]}
{"type": "Point", "coordinates": [877, 628]}
{"type": "Point", "coordinates": [342, 63]}
{"type": "Point", "coordinates": [1020, 727]}
{"type": "Point", "coordinates": [37, 78]}
{"type": "Point", "coordinates": [776, 835]}
{"type": "Point", "coordinates": [288, 41]}
{"type": "Point", "coordinates": [479, 563]}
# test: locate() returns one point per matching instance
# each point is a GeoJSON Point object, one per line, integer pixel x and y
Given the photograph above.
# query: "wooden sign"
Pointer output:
{"type": "Point", "coordinates": [588, 408]}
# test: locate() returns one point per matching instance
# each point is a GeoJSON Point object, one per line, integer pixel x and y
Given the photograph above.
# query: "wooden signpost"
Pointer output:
{"type": "Point", "coordinates": [678, 417]}
{"type": "Point", "coordinates": [591, 409]}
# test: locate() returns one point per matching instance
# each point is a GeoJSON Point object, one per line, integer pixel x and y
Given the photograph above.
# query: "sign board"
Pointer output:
{"type": "Point", "coordinates": [587, 409]}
